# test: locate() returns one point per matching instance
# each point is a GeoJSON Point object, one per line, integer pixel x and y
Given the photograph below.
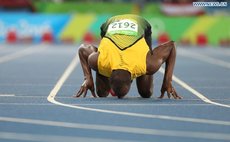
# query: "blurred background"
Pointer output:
{"type": "Point", "coordinates": [76, 21]}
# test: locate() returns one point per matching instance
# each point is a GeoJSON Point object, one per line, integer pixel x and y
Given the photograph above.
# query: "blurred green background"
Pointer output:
{"type": "Point", "coordinates": [185, 23]}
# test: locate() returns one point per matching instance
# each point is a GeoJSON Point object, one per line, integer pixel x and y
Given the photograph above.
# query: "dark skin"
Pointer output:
{"type": "Point", "coordinates": [164, 53]}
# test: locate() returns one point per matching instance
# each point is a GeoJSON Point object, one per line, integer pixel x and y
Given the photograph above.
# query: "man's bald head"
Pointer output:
{"type": "Point", "coordinates": [120, 82]}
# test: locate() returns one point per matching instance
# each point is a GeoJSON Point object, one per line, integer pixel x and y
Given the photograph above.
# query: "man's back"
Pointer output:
{"type": "Point", "coordinates": [125, 30]}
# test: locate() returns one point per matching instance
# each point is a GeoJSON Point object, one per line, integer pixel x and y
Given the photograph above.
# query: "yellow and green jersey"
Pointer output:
{"type": "Point", "coordinates": [126, 30]}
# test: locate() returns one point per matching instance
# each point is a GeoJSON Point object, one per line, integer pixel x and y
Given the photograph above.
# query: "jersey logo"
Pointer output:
{"type": "Point", "coordinates": [124, 27]}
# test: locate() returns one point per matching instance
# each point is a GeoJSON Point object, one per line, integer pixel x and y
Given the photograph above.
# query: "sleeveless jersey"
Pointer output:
{"type": "Point", "coordinates": [125, 30]}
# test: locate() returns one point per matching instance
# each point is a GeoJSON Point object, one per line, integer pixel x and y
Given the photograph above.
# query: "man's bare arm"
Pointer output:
{"type": "Point", "coordinates": [84, 52]}
{"type": "Point", "coordinates": [164, 53]}
{"type": "Point", "coordinates": [169, 67]}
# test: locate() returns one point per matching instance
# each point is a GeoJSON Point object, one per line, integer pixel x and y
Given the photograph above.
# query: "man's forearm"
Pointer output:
{"type": "Point", "coordinates": [83, 55]}
{"type": "Point", "coordinates": [169, 67]}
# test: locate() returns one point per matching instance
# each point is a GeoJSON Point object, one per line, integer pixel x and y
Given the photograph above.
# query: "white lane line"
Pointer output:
{"type": "Point", "coordinates": [122, 129]}
{"type": "Point", "coordinates": [48, 138]}
{"type": "Point", "coordinates": [26, 97]}
{"type": "Point", "coordinates": [204, 58]}
{"type": "Point", "coordinates": [193, 91]}
{"type": "Point", "coordinates": [21, 53]}
{"type": "Point", "coordinates": [70, 68]}
{"type": "Point", "coordinates": [26, 104]}
{"type": "Point", "coordinates": [164, 117]}
{"type": "Point", "coordinates": [114, 99]}
{"type": "Point", "coordinates": [143, 104]}
{"type": "Point", "coordinates": [7, 95]}
{"type": "Point", "coordinates": [49, 104]}
{"type": "Point", "coordinates": [63, 78]}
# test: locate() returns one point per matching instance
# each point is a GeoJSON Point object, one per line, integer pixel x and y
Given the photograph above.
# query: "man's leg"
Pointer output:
{"type": "Point", "coordinates": [102, 85]}
{"type": "Point", "coordinates": [102, 82]}
{"type": "Point", "coordinates": [145, 85]}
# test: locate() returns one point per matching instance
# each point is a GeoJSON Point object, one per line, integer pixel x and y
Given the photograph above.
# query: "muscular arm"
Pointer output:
{"type": "Point", "coordinates": [84, 52]}
{"type": "Point", "coordinates": [164, 53]}
{"type": "Point", "coordinates": [169, 67]}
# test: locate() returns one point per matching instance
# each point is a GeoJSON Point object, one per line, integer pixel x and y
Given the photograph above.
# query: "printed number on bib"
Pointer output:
{"type": "Point", "coordinates": [124, 27]}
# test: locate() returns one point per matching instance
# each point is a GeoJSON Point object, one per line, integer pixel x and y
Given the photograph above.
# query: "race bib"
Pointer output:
{"type": "Point", "coordinates": [124, 27]}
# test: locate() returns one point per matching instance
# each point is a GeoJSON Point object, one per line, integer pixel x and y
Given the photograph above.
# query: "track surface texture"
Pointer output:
{"type": "Point", "coordinates": [37, 83]}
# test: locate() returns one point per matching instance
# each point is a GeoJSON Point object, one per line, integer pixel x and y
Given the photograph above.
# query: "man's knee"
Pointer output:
{"type": "Point", "coordinates": [102, 93]}
{"type": "Point", "coordinates": [144, 93]}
